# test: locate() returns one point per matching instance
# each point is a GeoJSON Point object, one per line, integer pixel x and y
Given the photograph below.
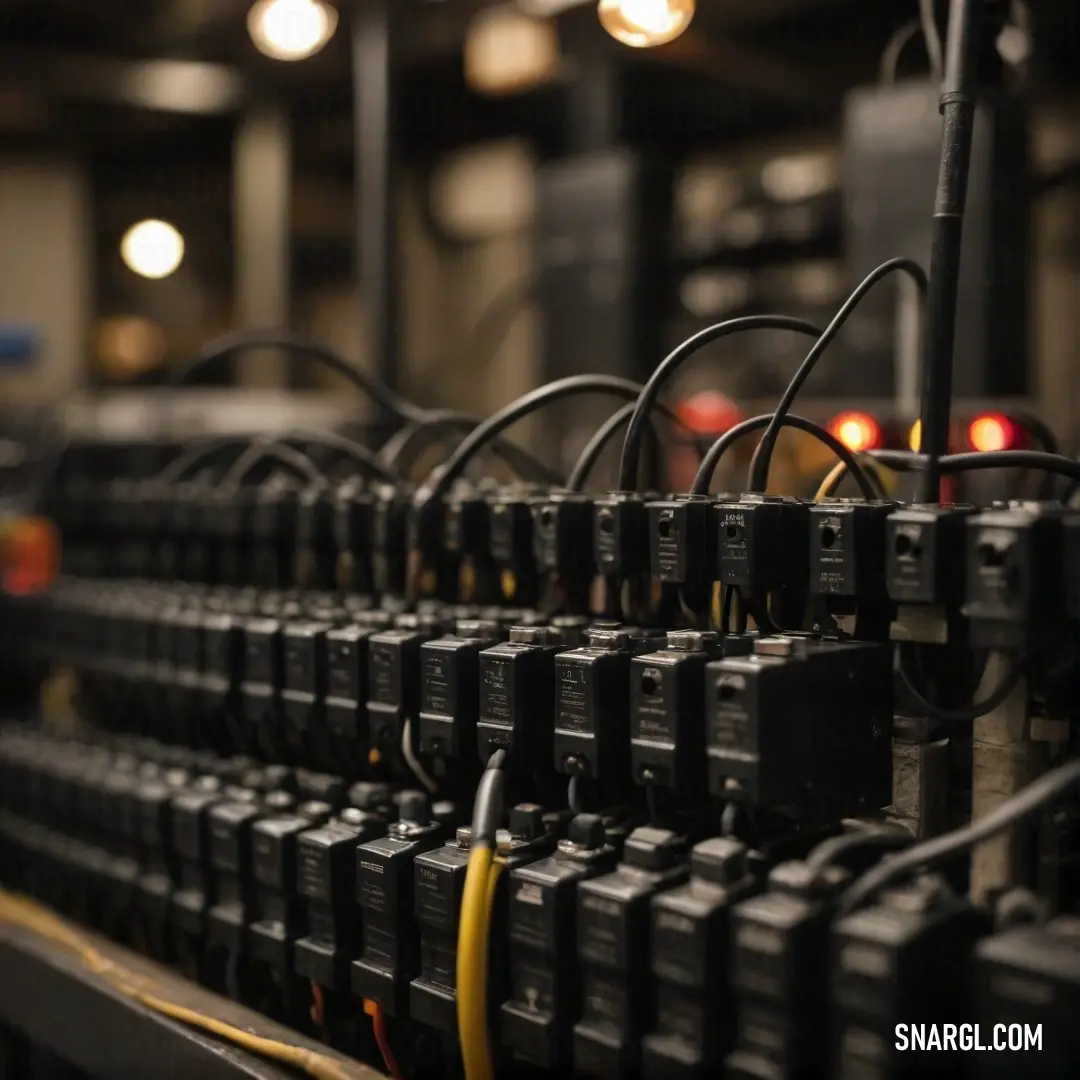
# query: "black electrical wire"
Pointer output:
{"type": "Point", "coordinates": [201, 452]}
{"type": "Point", "coordinates": [759, 466]}
{"type": "Point", "coordinates": [1048, 443]}
{"type": "Point", "coordinates": [367, 460]}
{"type": "Point", "coordinates": [1035, 460]}
{"type": "Point", "coordinates": [712, 456]}
{"type": "Point", "coordinates": [998, 696]}
{"type": "Point", "coordinates": [932, 39]}
{"type": "Point", "coordinates": [571, 386]}
{"type": "Point", "coordinates": [401, 448]}
{"type": "Point", "coordinates": [1030, 800]}
{"type": "Point", "coordinates": [497, 319]}
{"type": "Point", "coordinates": [1009, 459]}
{"type": "Point", "coordinates": [635, 433]}
{"type": "Point", "coordinates": [957, 106]}
{"type": "Point", "coordinates": [894, 49]}
{"type": "Point", "coordinates": [300, 463]}
{"type": "Point", "coordinates": [725, 609]}
{"type": "Point", "coordinates": [488, 803]}
{"type": "Point", "coordinates": [588, 458]}
{"type": "Point", "coordinates": [229, 345]}
{"type": "Point", "coordinates": [836, 848]}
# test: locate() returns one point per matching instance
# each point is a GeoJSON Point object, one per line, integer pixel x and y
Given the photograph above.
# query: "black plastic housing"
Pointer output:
{"type": "Point", "coordinates": [802, 726]}
{"type": "Point", "coordinates": [927, 554]}
{"type": "Point", "coordinates": [613, 924]}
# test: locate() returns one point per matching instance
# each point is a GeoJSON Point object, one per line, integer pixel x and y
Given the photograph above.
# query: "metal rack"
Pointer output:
{"type": "Point", "coordinates": [50, 999]}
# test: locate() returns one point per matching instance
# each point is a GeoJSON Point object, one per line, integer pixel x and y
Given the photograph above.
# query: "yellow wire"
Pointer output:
{"type": "Point", "coordinates": [832, 481]}
{"type": "Point", "coordinates": [481, 879]}
{"type": "Point", "coordinates": [19, 911]}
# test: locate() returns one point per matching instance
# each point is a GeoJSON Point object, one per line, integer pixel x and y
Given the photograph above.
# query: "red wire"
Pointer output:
{"type": "Point", "coordinates": [382, 1038]}
{"type": "Point", "coordinates": [318, 1006]}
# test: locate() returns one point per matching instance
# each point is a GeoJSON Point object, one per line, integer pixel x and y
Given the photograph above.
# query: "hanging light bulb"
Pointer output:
{"type": "Point", "coordinates": [642, 24]}
{"type": "Point", "coordinates": [152, 249]}
{"type": "Point", "coordinates": [291, 29]}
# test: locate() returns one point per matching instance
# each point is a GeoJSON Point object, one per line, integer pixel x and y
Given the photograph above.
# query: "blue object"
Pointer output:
{"type": "Point", "coordinates": [18, 344]}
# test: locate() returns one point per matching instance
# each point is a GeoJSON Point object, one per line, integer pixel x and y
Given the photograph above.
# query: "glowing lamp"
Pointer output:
{"type": "Point", "coordinates": [152, 249]}
{"type": "Point", "coordinates": [857, 431]}
{"type": "Point", "coordinates": [915, 436]}
{"type": "Point", "coordinates": [991, 432]}
{"type": "Point", "coordinates": [291, 29]}
{"type": "Point", "coordinates": [641, 24]}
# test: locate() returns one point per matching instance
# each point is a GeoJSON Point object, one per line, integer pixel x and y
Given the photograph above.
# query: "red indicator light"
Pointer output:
{"type": "Point", "coordinates": [857, 431]}
{"type": "Point", "coordinates": [991, 432]}
{"type": "Point", "coordinates": [709, 413]}
{"type": "Point", "coordinates": [29, 555]}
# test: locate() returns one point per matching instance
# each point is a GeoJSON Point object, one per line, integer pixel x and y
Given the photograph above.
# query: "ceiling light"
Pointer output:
{"type": "Point", "coordinates": [152, 249]}
{"type": "Point", "coordinates": [642, 24]}
{"type": "Point", "coordinates": [507, 51]}
{"type": "Point", "coordinates": [291, 29]}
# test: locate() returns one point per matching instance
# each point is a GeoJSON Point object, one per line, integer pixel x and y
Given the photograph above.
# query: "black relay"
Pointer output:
{"type": "Point", "coordinates": [613, 929]}
{"type": "Point", "coordinates": [848, 556]}
{"type": "Point", "coordinates": [390, 516]}
{"type": "Point", "coordinates": [159, 868]}
{"type": "Point", "coordinates": [905, 960]}
{"type": "Point", "coordinates": [927, 549]}
{"type": "Point", "coordinates": [277, 910]}
{"type": "Point", "coordinates": [353, 523]}
{"type": "Point", "coordinates": [689, 946]}
{"type": "Point", "coordinates": [517, 695]}
{"type": "Point", "coordinates": [394, 682]}
{"type": "Point", "coordinates": [440, 881]}
{"type": "Point", "coordinates": [1014, 586]}
{"type": "Point", "coordinates": [194, 891]}
{"type": "Point", "coordinates": [263, 677]}
{"type": "Point", "coordinates": [466, 524]}
{"type": "Point", "coordinates": [545, 993]}
{"type": "Point", "coordinates": [1071, 545]}
{"type": "Point", "coordinates": [562, 535]}
{"type": "Point", "coordinates": [390, 941]}
{"type": "Point", "coordinates": [802, 725]}
{"type": "Point", "coordinates": [779, 950]}
{"type": "Point", "coordinates": [347, 664]}
{"type": "Point", "coordinates": [223, 646]}
{"type": "Point", "coordinates": [187, 644]}
{"type": "Point", "coordinates": [230, 826]}
{"type": "Point", "coordinates": [273, 522]}
{"type": "Point", "coordinates": [667, 713]}
{"type": "Point", "coordinates": [510, 526]}
{"type": "Point", "coordinates": [621, 535]}
{"type": "Point", "coordinates": [592, 706]}
{"type": "Point", "coordinates": [450, 692]}
{"type": "Point", "coordinates": [234, 510]}
{"type": "Point", "coordinates": [1027, 981]}
{"type": "Point", "coordinates": [326, 883]}
{"type": "Point", "coordinates": [305, 670]}
{"type": "Point", "coordinates": [316, 557]}
{"type": "Point", "coordinates": [682, 540]}
{"type": "Point", "coordinates": [119, 870]}
{"type": "Point", "coordinates": [763, 546]}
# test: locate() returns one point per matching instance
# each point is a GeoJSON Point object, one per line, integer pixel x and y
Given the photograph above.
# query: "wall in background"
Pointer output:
{"type": "Point", "coordinates": [45, 272]}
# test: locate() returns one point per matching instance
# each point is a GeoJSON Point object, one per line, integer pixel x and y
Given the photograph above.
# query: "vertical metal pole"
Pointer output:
{"type": "Point", "coordinates": [958, 111]}
{"type": "Point", "coordinates": [262, 195]}
{"type": "Point", "coordinates": [375, 106]}
{"type": "Point", "coordinates": [593, 105]}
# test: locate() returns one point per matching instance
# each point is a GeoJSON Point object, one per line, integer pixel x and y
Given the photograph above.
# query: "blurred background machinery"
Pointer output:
{"type": "Point", "coordinates": [532, 197]}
